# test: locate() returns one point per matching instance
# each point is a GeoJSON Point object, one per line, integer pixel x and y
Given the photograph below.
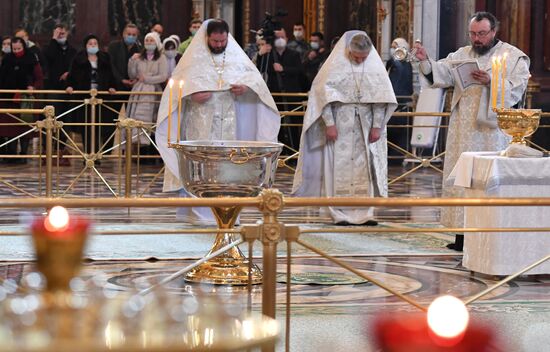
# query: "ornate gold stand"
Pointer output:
{"type": "Point", "coordinates": [518, 123]}
{"type": "Point", "coordinates": [230, 268]}
{"type": "Point", "coordinates": [58, 259]}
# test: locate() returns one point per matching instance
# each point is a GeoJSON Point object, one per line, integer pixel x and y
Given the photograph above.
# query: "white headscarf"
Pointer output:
{"type": "Point", "coordinates": [156, 37]}
{"type": "Point", "coordinates": [177, 39]}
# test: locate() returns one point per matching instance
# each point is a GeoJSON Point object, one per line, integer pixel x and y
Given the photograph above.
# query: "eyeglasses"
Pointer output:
{"type": "Point", "coordinates": [481, 34]}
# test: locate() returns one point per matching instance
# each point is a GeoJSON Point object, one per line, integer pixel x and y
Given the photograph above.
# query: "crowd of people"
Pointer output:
{"type": "Point", "coordinates": [352, 95]}
{"type": "Point", "coordinates": [127, 65]}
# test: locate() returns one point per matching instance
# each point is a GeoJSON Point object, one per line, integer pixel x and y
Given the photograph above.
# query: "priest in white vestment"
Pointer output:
{"type": "Point", "coordinates": [472, 125]}
{"type": "Point", "coordinates": [343, 151]}
{"type": "Point", "coordinates": [224, 98]}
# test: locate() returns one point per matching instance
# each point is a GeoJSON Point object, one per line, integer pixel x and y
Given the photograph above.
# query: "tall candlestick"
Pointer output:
{"type": "Point", "coordinates": [499, 62]}
{"type": "Point", "coordinates": [170, 85]}
{"type": "Point", "coordinates": [503, 80]}
{"type": "Point", "coordinates": [494, 82]}
{"type": "Point", "coordinates": [180, 93]}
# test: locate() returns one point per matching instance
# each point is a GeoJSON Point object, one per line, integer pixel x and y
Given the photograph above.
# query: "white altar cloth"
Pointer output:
{"type": "Point", "coordinates": [488, 175]}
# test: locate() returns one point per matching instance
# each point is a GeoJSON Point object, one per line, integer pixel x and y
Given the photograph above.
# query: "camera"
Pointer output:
{"type": "Point", "coordinates": [270, 24]}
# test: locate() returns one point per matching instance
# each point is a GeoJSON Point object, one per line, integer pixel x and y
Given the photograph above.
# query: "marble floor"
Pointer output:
{"type": "Point", "coordinates": [331, 309]}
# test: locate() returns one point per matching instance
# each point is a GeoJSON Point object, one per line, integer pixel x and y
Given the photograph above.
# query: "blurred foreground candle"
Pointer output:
{"type": "Point", "coordinates": [445, 327]}
{"type": "Point", "coordinates": [59, 244]}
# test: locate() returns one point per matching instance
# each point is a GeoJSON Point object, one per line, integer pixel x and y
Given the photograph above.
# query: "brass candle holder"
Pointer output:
{"type": "Point", "coordinates": [59, 250]}
{"type": "Point", "coordinates": [518, 123]}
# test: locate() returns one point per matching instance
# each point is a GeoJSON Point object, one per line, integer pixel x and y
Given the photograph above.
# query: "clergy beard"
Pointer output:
{"type": "Point", "coordinates": [481, 49]}
{"type": "Point", "coordinates": [216, 50]}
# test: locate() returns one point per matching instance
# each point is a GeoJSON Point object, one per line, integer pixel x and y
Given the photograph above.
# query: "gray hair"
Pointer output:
{"type": "Point", "coordinates": [360, 43]}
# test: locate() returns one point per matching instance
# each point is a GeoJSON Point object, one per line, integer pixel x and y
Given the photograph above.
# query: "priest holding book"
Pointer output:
{"type": "Point", "coordinates": [472, 125]}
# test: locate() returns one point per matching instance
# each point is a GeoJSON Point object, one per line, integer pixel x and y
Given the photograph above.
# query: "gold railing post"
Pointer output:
{"type": "Point", "coordinates": [128, 163]}
{"type": "Point", "coordinates": [93, 101]}
{"type": "Point", "coordinates": [49, 113]}
{"type": "Point", "coordinates": [271, 233]}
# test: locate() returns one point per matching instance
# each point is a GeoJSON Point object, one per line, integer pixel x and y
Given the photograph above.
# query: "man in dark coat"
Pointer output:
{"type": "Point", "coordinates": [120, 52]}
{"type": "Point", "coordinates": [59, 54]}
{"type": "Point", "coordinates": [285, 73]}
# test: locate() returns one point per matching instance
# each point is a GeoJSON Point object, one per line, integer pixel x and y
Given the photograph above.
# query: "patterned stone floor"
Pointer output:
{"type": "Point", "coordinates": [331, 309]}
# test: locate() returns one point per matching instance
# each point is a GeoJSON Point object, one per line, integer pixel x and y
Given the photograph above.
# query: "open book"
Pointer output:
{"type": "Point", "coordinates": [462, 71]}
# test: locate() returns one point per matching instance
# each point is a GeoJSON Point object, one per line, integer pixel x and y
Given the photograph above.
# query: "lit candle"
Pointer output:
{"type": "Point", "coordinates": [503, 80]}
{"type": "Point", "coordinates": [180, 93]}
{"type": "Point", "coordinates": [497, 84]}
{"type": "Point", "coordinates": [59, 225]}
{"type": "Point", "coordinates": [494, 82]}
{"type": "Point", "coordinates": [170, 85]}
{"type": "Point", "coordinates": [445, 327]}
{"type": "Point", "coordinates": [59, 242]}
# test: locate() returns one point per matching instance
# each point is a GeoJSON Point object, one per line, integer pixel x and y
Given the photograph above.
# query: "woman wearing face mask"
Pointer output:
{"type": "Point", "coordinates": [6, 47]}
{"type": "Point", "coordinates": [91, 69]}
{"type": "Point", "coordinates": [172, 56]}
{"type": "Point", "coordinates": [20, 70]}
{"type": "Point", "coordinates": [150, 69]}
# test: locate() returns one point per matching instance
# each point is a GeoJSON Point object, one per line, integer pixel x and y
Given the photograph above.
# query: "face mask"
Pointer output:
{"type": "Point", "coordinates": [314, 45]}
{"type": "Point", "coordinates": [392, 51]}
{"type": "Point", "coordinates": [92, 50]}
{"type": "Point", "coordinates": [150, 47]}
{"type": "Point", "coordinates": [19, 53]}
{"type": "Point", "coordinates": [170, 53]}
{"type": "Point", "coordinates": [280, 43]}
{"type": "Point", "coordinates": [129, 39]}
{"type": "Point", "coordinates": [193, 32]}
{"type": "Point", "coordinates": [61, 41]}
{"type": "Point", "coordinates": [298, 34]}
{"type": "Point", "coordinates": [6, 50]}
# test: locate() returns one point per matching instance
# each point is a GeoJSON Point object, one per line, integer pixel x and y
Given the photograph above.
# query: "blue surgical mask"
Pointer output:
{"type": "Point", "coordinates": [92, 50]}
{"type": "Point", "coordinates": [170, 53]}
{"type": "Point", "coordinates": [6, 49]}
{"type": "Point", "coordinates": [314, 45]}
{"type": "Point", "coordinates": [150, 47]}
{"type": "Point", "coordinates": [130, 39]}
{"type": "Point", "coordinates": [61, 41]}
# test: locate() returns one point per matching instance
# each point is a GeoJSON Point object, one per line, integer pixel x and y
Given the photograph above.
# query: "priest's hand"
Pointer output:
{"type": "Point", "coordinates": [332, 133]}
{"type": "Point", "coordinates": [201, 97]}
{"type": "Point", "coordinates": [238, 89]}
{"type": "Point", "coordinates": [420, 52]}
{"type": "Point", "coordinates": [481, 76]}
{"type": "Point", "coordinates": [374, 134]}
{"type": "Point", "coordinates": [278, 67]}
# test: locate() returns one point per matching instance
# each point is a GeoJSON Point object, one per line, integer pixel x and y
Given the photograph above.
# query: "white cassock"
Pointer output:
{"type": "Point", "coordinates": [355, 98]}
{"type": "Point", "coordinates": [472, 125]}
{"type": "Point", "coordinates": [251, 116]}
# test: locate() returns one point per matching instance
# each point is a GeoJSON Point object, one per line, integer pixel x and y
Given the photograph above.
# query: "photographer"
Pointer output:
{"type": "Point", "coordinates": [282, 69]}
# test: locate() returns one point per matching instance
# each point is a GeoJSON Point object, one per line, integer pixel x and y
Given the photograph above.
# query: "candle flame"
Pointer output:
{"type": "Point", "coordinates": [57, 219]}
{"type": "Point", "coordinates": [447, 317]}
{"type": "Point", "coordinates": [171, 83]}
{"type": "Point", "coordinates": [181, 83]}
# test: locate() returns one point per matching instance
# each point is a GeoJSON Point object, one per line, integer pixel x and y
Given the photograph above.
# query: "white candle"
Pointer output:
{"type": "Point", "coordinates": [170, 85]}
{"type": "Point", "coordinates": [180, 93]}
